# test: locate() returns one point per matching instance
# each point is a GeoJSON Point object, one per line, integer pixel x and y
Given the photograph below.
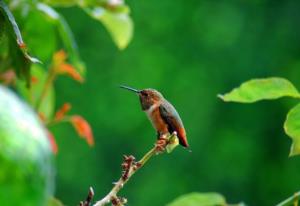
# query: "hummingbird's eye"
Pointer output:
{"type": "Point", "coordinates": [145, 94]}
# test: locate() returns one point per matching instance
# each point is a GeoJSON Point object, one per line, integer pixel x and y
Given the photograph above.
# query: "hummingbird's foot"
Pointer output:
{"type": "Point", "coordinates": [161, 143]}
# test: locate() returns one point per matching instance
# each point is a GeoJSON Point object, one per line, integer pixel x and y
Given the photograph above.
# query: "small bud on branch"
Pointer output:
{"type": "Point", "coordinates": [89, 198]}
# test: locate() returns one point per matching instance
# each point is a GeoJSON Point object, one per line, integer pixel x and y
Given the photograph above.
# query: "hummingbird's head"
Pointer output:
{"type": "Point", "coordinates": [148, 97]}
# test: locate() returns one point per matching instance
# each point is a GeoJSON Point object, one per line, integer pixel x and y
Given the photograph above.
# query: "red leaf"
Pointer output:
{"type": "Point", "coordinates": [70, 70]}
{"type": "Point", "coordinates": [60, 114]}
{"type": "Point", "coordinates": [83, 129]}
{"type": "Point", "coordinates": [62, 67]}
{"type": "Point", "coordinates": [53, 144]}
{"type": "Point", "coordinates": [59, 57]}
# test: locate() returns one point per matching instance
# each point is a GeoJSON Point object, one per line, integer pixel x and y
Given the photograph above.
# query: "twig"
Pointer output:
{"type": "Point", "coordinates": [55, 122]}
{"type": "Point", "coordinates": [130, 167]}
{"type": "Point", "coordinates": [48, 83]}
{"type": "Point", "coordinates": [89, 198]}
{"type": "Point", "coordinates": [291, 201]}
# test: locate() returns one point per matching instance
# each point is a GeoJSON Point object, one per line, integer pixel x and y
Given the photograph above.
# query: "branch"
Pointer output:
{"type": "Point", "coordinates": [293, 200]}
{"type": "Point", "coordinates": [130, 167]}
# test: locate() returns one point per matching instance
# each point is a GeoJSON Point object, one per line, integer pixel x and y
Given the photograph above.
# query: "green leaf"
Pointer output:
{"type": "Point", "coordinates": [119, 24]}
{"type": "Point", "coordinates": [115, 17]}
{"type": "Point", "coordinates": [199, 199]}
{"type": "Point", "coordinates": [261, 89]}
{"type": "Point", "coordinates": [291, 201]}
{"type": "Point", "coordinates": [26, 160]}
{"type": "Point", "coordinates": [65, 34]}
{"type": "Point", "coordinates": [17, 48]}
{"type": "Point", "coordinates": [173, 143]}
{"type": "Point", "coordinates": [45, 40]}
{"type": "Point", "coordinates": [292, 128]}
{"type": "Point", "coordinates": [64, 3]}
{"type": "Point", "coordinates": [33, 94]}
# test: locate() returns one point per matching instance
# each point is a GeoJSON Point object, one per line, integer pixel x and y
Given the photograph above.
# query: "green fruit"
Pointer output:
{"type": "Point", "coordinates": [26, 170]}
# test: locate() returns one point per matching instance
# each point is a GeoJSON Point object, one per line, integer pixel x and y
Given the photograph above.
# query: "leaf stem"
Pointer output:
{"type": "Point", "coordinates": [54, 122]}
{"type": "Point", "coordinates": [50, 78]}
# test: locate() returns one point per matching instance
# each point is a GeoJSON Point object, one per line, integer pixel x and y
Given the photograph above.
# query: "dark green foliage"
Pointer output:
{"type": "Point", "coordinates": [17, 55]}
{"type": "Point", "coordinates": [190, 52]}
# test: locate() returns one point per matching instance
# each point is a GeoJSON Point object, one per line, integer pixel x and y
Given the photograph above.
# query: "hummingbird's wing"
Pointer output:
{"type": "Point", "coordinates": [173, 120]}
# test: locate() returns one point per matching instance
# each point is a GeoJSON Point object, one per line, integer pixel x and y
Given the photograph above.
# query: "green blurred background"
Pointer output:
{"type": "Point", "coordinates": [190, 51]}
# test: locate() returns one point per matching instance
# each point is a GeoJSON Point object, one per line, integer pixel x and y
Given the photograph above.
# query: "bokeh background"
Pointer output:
{"type": "Point", "coordinates": [190, 51]}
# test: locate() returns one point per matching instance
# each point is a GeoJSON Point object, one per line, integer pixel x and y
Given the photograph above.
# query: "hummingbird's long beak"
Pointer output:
{"type": "Point", "coordinates": [130, 89]}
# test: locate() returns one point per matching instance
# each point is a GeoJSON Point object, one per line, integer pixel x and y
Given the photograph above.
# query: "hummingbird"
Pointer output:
{"type": "Point", "coordinates": [161, 113]}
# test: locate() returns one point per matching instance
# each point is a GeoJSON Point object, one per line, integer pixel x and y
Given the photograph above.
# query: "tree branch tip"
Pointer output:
{"type": "Point", "coordinates": [91, 192]}
{"type": "Point", "coordinates": [89, 198]}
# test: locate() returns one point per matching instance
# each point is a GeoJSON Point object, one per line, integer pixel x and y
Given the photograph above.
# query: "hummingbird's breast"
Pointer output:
{"type": "Point", "coordinates": [156, 119]}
